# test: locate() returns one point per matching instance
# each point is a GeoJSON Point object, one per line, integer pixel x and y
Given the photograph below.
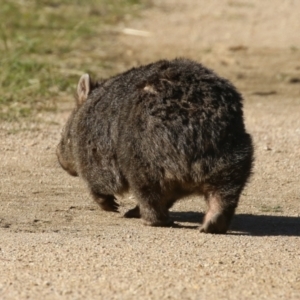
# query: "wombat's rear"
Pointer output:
{"type": "Point", "coordinates": [162, 131]}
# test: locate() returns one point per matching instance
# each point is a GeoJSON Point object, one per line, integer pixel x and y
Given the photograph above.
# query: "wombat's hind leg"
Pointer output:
{"type": "Point", "coordinates": [220, 211]}
{"type": "Point", "coordinates": [106, 202]}
{"type": "Point", "coordinates": [133, 213]}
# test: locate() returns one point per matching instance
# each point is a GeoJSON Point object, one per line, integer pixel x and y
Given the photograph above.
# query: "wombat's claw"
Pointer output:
{"type": "Point", "coordinates": [217, 224]}
{"type": "Point", "coordinates": [112, 206]}
{"type": "Point", "coordinates": [133, 213]}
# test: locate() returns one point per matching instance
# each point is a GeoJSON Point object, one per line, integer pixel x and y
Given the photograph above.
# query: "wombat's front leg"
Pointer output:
{"type": "Point", "coordinates": [136, 213]}
{"type": "Point", "coordinates": [106, 202]}
{"type": "Point", "coordinates": [152, 208]}
{"type": "Point", "coordinates": [220, 212]}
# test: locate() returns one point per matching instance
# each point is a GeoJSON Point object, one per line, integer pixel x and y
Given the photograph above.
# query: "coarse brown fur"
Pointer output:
{"type": "Point", "coordinates": [161, 131]}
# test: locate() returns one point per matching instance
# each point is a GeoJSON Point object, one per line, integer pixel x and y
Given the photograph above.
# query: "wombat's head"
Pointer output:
{"type": "Point", "coordinates": [64, 149]}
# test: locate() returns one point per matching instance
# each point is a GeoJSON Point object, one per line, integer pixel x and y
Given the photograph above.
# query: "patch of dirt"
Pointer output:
{"type": "Point", "coordinates": [57, 244]}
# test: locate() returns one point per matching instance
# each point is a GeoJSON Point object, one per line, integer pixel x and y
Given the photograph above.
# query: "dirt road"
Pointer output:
{"type": "Point", "coordinates": [55, 243]}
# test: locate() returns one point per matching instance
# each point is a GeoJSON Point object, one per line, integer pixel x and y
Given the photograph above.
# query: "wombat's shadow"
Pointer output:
{"type": "Point", "coordinates": [257, 225]}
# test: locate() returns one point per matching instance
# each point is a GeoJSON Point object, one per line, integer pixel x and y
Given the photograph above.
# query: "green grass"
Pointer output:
{"type": "Point", "coordinates": [45, 45]}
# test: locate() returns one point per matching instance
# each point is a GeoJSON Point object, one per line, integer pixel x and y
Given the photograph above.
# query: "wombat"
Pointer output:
{"type": "Point", "coordinates": [160, 131]}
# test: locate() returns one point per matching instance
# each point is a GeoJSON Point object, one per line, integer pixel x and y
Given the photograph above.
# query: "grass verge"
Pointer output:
{"type": "Point", "coordinates": [45, 45]}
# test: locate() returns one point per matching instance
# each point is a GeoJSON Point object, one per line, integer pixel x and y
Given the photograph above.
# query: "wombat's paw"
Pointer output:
{"type": "Point", "coordinates": [167, 223]}
{"type": "Point", "coordinates": [218, 223]}
{"type": "Point", "coordinates": [133, 213]}
{"type": "Point", "coordinates": [110, 205]}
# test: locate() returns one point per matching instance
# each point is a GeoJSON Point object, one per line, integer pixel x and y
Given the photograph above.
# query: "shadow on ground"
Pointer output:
{"type": "Point", "coordinates": [258, 225]}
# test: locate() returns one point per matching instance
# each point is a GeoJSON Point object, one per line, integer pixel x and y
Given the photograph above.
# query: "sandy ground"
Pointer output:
{"type": "Point", "coordinates": [55, 243]}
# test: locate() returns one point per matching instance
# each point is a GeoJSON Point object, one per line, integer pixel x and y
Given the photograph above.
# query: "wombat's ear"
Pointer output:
{"type": "Point", "coordinates": [83, 88]}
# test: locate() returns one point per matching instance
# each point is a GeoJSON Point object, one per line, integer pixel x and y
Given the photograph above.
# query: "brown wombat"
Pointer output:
{"type": "Point", "coordinates": [161, 131]}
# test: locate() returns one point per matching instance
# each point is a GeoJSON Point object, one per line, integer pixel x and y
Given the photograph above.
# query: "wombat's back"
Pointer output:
{"type": "Point", "coordinates": [176, 117]}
